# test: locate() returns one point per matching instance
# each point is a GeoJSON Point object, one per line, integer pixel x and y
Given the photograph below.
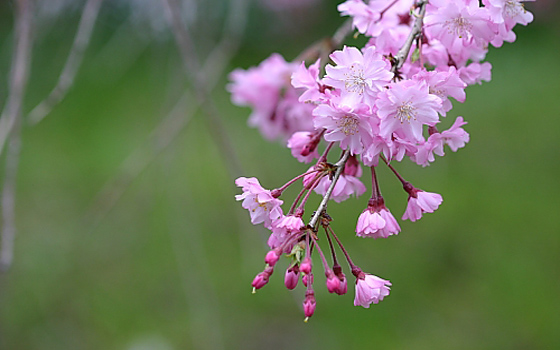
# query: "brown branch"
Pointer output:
{"type": "Point", "coordinates": [402, 55]}
{"type": "Point", "coordinates": [73, 62]}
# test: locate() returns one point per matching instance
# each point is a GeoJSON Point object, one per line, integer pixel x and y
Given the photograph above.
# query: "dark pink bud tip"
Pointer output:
{"type": "Point", "coordinates": [306, 265]}
{"type": "Point", "coordinates": [260, 280]}
{"type": "Point", "coordinates": [272, 257]}
{"type": "Point", "coordinates": [333, 283]}
{"type": "Point", "coordinates": [309, 304]}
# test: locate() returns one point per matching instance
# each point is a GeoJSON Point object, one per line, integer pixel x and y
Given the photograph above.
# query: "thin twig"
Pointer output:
{"type": "Point", "coordinates": [402, 55]}
{"type": "Point", "coordinates": [21, 61]}
{"type": "Point", "coordinates": [192, 68]}
{"type": "Point", "coordinates": [170, 127]}
{"type": "Point", "coordinates": [9, 198]}
{"type": "Point", "coordinates": [73, 62]}
{"type": "Point", "coordinates": [323, 205]}
{"type": "Point", "coordinates": [10, 123]}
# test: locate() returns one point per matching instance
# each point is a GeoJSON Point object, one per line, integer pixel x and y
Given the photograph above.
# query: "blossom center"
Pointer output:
{"type": "Point", "coordinates": [260, 205]}
{"type": "Point", "coordinates": [406, 111]}
{"type": "Point", "coordinates": [512, 8]}
{"type": "Point", "coordinates": [459, 26]}
{"type": "Point", "coordinates": [355, 81]}
{"type": "Point", "coordinates": [438, 92]}
{"type": "Point", "coordinates": [348, 125]}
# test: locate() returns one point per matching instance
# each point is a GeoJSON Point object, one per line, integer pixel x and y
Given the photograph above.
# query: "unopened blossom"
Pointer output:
{"type": "Point", "coordinates": [262, 278]}
{"type": "Point", "coordinates": [303, 145]}
{"type": "Point", "coordinates": [359, 77]}
{"type": "Point", "coordinates": [420, 202]}
{"type": "Point", "coordinates": [272, 256]}
{"type": "Point", "coordinates": [333, 283]}
{"type": "Point", "coordinates": [405, 108]}
{"type": "Point", "coordinates": [262, 205]}
{"type": "Point", "coordinates": [376, 221]}
{"type": "Point", "coordinates": [309, 304]}
{"type": "Point", "coordinates": [370, 289]}
{"type": "Point", "coordinates": [291, 277]}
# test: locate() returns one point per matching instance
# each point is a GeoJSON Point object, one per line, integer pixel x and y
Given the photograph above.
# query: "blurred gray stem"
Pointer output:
{"type": "Point", "coordinates": [21, 61]}
{"type": "Point", "coordinates": [73, 62]}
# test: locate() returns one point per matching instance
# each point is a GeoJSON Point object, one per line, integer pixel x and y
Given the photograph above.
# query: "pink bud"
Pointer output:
{"type": "Point", "coordinates": [292, 277]}
{"type": "Point", "coordinates": [306, 265]}
{"type": "Point", "coordinates": [333, 283]}
{"type": "Point", "coordinates": [309, 304]}
{"type": "Point", "coordinates": [342, 287]}
{"type": "Point", "coordinates": [272, 257]}
{"type": "Point", "coordinates": [262, 278]}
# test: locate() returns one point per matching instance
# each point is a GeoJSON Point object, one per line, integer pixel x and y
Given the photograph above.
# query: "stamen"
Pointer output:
{"type": "Point", "coordinates": [348, 125]}
{"type": "Point", "coordinates": [406, 111]}
{"type": "Point", "coordinates": [355, 81]}
{"type": "Point", "coordinates": [459, 26]}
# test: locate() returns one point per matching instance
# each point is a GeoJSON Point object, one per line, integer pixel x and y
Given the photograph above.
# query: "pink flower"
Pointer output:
{"type": "Point", "coordinates": [346, 186]}
{"type": "Point", "coordinates": [461, 26]}
{"type": "Point", "coordinates": [351, 126]}
{"type": "Point", "coordinates": [370, 289]}
{"type": "Point", "coordinates": [476, 73]}
{"type": "Point", "coordinates": [262, 206]}
{"type": "Point", "coordinates": [405, 108]}
{"type": "Point", "coordinates": [307, 80]}
{"type": "Point", "coordinates": [420, 202]}
{"type": "Point", "coordinates": [455, 137]}
{"type": "Point", "coordinates": [444, 84]}
{"type": "Point", "coordinates": [358, 77]}
{"type": "Point", "coordinates": [283, 230]}
{"type": "Point", "coordinates": [267, 90]}
{"type": "Point", "coordinates": [376, 221]}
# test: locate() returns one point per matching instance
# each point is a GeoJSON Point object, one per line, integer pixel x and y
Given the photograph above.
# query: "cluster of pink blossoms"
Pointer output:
{"type": "Point", "coordinates": [384, 102]}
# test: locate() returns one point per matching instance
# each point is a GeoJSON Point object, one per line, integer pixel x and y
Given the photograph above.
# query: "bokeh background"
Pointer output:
{"type": "Point", "coordinates": [128, 235]}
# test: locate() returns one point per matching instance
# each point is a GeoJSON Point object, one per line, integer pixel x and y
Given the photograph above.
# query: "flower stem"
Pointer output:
{"type": "Point", "coordinates": [323, 205]}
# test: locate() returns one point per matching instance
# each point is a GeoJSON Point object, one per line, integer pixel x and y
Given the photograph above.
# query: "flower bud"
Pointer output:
{"type": "Point", "coordinates": [292, 277]}
{"type": "Point", "coordinates": [306, 265]}
{"type": "Point", "coordinates": [309, 304]}
{"type": "Point", "coordinates": [272, 257]}
{"type": "Point", "coordinates": [261, 279]}
{"type": "Point", "coordinates": [333, 283]}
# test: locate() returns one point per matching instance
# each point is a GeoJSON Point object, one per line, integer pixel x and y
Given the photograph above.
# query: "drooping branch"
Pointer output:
{"type": "Point", "coordinates": [10, 124]}
{"type": "Point", "coordinates": [21, 61]}
{"type": "Point", "coordinates": [73, 62]}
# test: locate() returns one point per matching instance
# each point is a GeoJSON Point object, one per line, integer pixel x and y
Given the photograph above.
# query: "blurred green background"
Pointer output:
{"type": "Point", "coordinates": [168, 264]}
